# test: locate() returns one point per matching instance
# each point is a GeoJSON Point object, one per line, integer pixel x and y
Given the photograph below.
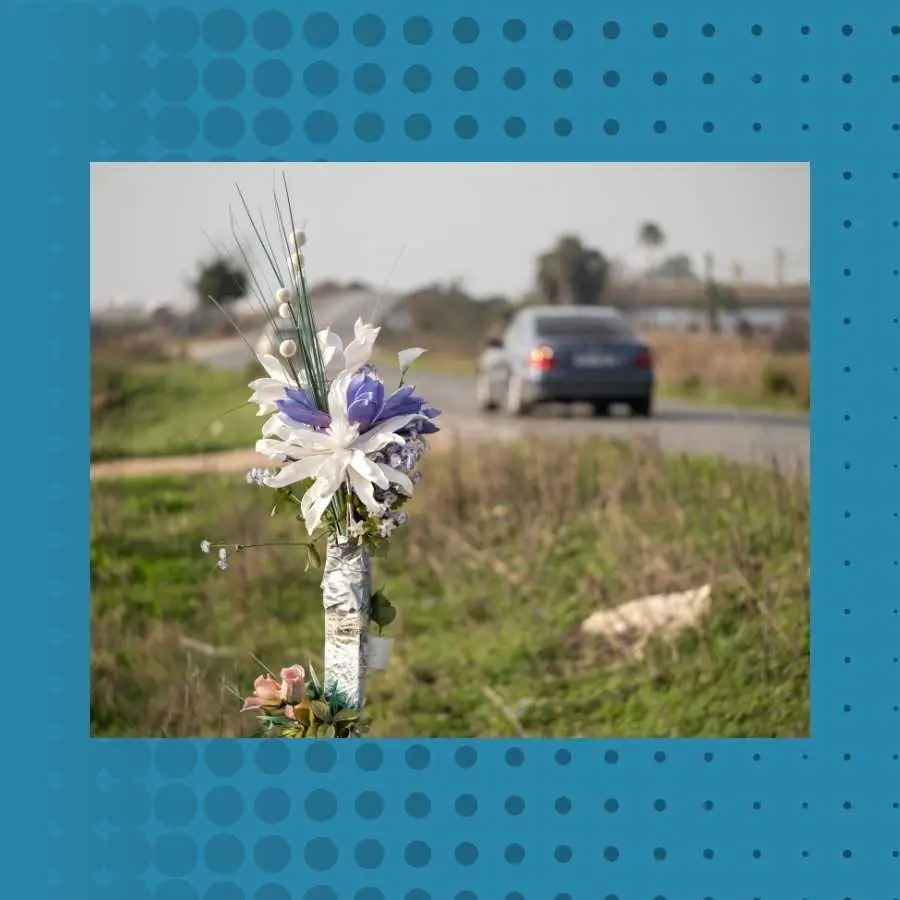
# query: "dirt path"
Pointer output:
{"type": "Point", "coordinates": [230, 462]}
{"type": "Point", "coordinates": [225, 463]}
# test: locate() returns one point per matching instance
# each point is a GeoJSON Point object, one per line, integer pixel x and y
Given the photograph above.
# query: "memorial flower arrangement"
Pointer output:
{"type": "Point", "coordinates": [345, 451]}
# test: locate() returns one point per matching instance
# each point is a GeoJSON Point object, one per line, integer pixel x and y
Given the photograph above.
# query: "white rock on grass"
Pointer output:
{"type": "Point", "coordinates": [632, 625]}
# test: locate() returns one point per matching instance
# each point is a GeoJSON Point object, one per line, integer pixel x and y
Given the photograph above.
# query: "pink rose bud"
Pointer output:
{"type": "Point", "coordinates": [293, 684]}
{"type": "Point", "coordinates": [266, 694]}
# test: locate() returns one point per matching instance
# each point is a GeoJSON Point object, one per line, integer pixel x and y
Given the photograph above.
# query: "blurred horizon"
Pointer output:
{"type": "Point", "coordinates": [481, 225]}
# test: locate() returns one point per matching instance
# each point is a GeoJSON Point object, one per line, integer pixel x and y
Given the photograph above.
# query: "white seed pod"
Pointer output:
{"type": "Point", "coordinates": [283, 295]}
{"type": "Point", "coordinates": [297, 240]}
{"type": "Point", "coordinates": [284, 311]}
{"type": "Point", "coordinates": [296, 261]}
{"type": "Point", "coordinates": [287, 348]}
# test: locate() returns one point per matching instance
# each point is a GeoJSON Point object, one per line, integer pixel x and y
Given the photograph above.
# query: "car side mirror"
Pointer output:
{"type": "Point", "coordinates": [494, 343]}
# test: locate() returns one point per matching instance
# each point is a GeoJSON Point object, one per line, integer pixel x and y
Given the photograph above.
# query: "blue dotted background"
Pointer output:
{"type": "Point", "coordinates": [548, 820]}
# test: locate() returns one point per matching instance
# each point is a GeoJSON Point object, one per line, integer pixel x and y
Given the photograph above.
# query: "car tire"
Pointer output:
{"type": "Point", "coordinates": [601, 408]}
{"type": "Point", "coordinates": [486, 401]}
{"type": "Point", "coordinates": [515, 401]}
{"type": "Point", "coordinates": [642, 408]}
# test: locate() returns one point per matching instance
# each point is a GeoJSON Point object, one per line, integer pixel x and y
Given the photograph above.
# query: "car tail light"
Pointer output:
{"type": "Point", "coordinates": [542, 358]}
{"type": "Point", "coordinates": [643, 359]}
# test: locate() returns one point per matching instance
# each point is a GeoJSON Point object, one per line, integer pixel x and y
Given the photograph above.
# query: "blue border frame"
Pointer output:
{"type": "Point", "coordinates": [563, 819]}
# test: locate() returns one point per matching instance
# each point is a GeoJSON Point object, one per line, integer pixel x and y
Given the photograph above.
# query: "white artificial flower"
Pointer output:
{"type": "Point", "coordinates": [336, 359]}
{"type": "Point", "coordinates": [335, 456]}
{"type": "Point", "coordinates": [287, 348]}
{"type": "Point", "coordinates": [357, 353]}
{"type": "Point", "coordinates": [284, 311]}
{"type": "Point", "coordinates": [405, 358]}
{"type": "Point", "coordinates": [283, 295]}
{"type": "Point", "coordinates": [267, 390]}
{"type": "Point", "coordinates": [297, 240]}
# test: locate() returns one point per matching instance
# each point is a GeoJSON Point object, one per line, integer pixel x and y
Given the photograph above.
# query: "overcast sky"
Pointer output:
{"type": "Point", "coordinates": [482, 223]}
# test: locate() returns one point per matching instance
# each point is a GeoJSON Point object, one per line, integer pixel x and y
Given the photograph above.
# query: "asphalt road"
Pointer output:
{"type": "Point", "coordinates": [763, 438]}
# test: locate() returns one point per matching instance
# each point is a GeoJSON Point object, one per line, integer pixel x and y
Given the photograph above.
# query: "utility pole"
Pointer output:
{"type": "Point", "coordinates": [779, 267]}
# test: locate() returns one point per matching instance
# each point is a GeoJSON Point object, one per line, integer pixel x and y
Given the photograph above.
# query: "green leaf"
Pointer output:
{"type": "Point", "coordinates": [313, 557]}
{"type": "Point", "coordinates": [386, 616]}
{"type": "Point", "coordinates": [327, 731]}
{"type": "Point", "coordinates": [345, 716]}
{"type": "Point", "coordinates": [320, 710]}
{"type": "Point", "coordinates": [383, 612]}
{"type": "Point", "coordinates": [271, 721]}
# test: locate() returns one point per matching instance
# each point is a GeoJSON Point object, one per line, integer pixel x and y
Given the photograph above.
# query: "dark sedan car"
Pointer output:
{"type": "Point", "coordinates": [573, 354]}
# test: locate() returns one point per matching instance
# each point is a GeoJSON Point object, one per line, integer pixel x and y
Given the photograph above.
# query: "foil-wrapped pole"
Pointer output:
{"type": "Point", "coordinates": [346, 597]}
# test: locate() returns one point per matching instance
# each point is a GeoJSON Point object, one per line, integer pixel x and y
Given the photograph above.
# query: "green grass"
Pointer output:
{"type": "Point", "coordinates": [162, 408]}
{"type": "Point", "coordinates": [508, 550]}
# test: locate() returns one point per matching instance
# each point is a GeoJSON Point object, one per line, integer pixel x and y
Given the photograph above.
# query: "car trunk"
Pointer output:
{"type": "Point", "coordinates": [587, 356]}
{"type": "Point", "coordinates": [587, 346]}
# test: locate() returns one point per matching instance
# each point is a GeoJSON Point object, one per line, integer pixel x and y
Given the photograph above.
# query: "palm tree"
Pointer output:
{"type": "Point", "coordinates": [651, 237]}
{"type": "Point", "coordinates": [571, 273]}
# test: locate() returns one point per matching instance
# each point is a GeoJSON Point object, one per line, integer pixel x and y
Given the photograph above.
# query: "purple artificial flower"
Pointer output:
{"type": "Point", "coordinates": [300, 407]}
{"type": "Point", "coordinates": [367, 406]}
{"type": "Point", "coordinates": [365, 399]}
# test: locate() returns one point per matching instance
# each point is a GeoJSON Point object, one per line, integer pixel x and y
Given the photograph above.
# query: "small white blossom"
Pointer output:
{"type": "Point", "coordinates": [378, 511]}
{"type": "Point", "coordinates": [283, 295]}
{"type": "Point", "coordinates": [284, 311]}
{"type": "Point", "coordinates": [223, 553]}
{"type": "Point", "coordinates": [222, 564]}
{"type": "Point", "coordinates": [258, 476]}
{"type": "Point", "coordinates": [386, 527]}
{"type": "Point", "coordinates": [405, 358]}
{"type": "Point", "coordinates": [357, 529]}
{"type": "Point", "coordinates": [297, 240]}
{"type": "Point", "coordinates": [287, 348]}
{"type": "Point", "coordinates": [390, 498]}
{"type": "Point", "coordinates": [205, 546]}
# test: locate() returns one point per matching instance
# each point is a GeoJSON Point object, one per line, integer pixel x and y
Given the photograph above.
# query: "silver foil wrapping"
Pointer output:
{"type": "Point", "coordinates": [346, 597]}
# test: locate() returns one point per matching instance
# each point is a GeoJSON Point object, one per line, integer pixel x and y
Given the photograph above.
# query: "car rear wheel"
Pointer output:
{"type": "Point", "coordinates": [600, 408]}
{"type": "Point", "coordinates": [642, 408]}
{"type": "Point", "coordinates": [484, 394]}
{"type": "Point", "coordinates": [515, 399]}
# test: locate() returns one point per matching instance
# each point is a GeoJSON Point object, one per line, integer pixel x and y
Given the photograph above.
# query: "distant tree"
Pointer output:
{"type": "Point", "coordinates": [651, 237]}
{"type": "Point", "coordinates": [571, 273]}
{"type": "Point", "coordinates": [223, 281]}
{"type": "Point", "coordinates": [679, 266]}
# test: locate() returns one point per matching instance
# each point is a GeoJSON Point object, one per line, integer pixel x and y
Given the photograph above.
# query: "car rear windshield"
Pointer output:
{"type": "Point", "coordinates": [582, 327]}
